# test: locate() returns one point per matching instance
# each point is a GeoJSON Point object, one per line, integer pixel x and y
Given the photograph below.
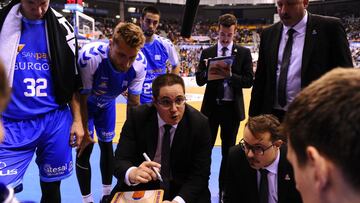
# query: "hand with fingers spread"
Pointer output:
{"type": "Point", "coordinates": [144, 173]}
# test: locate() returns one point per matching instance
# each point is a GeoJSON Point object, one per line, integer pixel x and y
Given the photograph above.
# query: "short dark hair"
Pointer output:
{"type": "Point", "coordinates": [326, 115]}
{"type": "Point", "coordinates": [227, 20]}
{"type": "Point", "coordinates": [168, 79]}
{"type": "Point", "coordinates": [150, 9]}
{"type": "Point", "coordinates": [265, 123]}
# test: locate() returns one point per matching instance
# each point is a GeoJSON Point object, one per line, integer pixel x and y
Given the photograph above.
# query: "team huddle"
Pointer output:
{"type": "Point", "coordinates": [54, 96]}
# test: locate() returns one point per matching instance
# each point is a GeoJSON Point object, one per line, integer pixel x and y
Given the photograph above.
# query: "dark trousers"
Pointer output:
{"type": "Point", "coordinates": [223, 115]}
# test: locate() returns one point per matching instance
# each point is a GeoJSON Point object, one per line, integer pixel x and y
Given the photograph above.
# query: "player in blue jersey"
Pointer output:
{"type": "Point", "coordinates": [158, 51]}
{"type": "Point", "coordinates": [38, 48]}
{"type": "Point", "coordinates": [107, 70]}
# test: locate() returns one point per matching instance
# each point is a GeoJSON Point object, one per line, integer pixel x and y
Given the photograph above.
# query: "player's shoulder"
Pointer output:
{"type": "Point", "coordinates": [163, 40]}
{"type": "Point", "coordinates": [95, 52]}
{"type": "Point", "coordinates": [95, 48]}
{"type": "Point", "coordinates": [140, 61]}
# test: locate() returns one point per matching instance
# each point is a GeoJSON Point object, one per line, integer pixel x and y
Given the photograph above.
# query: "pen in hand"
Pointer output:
{"type": "Point", "coordinates": [153, 168]}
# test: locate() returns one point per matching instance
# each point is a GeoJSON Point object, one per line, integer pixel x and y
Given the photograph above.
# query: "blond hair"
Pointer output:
{"type": "Point", "coordinates": [130, 33]}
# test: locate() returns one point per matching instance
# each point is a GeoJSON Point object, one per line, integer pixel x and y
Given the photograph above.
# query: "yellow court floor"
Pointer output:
{"type": "Point", "coordinates": [121, 112]}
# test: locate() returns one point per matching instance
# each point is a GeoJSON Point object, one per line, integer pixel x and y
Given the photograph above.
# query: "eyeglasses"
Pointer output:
{"type": "Point", "coordinates": [257, 150]}
{"type": "Point", "coordinates": [167, 103]}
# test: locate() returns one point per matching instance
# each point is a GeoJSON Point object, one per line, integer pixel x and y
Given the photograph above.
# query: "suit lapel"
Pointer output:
{"type": "Point", "coordinates": [152, 134]}
{"type": "Point", "coordinates": [213, 51]}
{"type": "Point", "coordinates": [310, 36]}
{"type": "Point", "coordinates": [275, 43]}
{"type": "Point", "coordinates": [283, 175]}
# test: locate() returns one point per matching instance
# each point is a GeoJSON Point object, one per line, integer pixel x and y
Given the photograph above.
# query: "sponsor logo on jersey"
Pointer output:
{"type": "Point", "coordinates": [6, 172]}
{"type": "Point", "coordinates": [103, 84]}
{"type": "Point", "coordinates": [34, 55]}
{"type": "Point", "coordinates": [107, 134]}
{"type": "Point", "coordinates": [157, 57]}
{"type": "Point", "coordinates": [32, 66]}
{"type": "Point", "coordinates": [20, 47]}
{"type": "Point", "coordinates": [60, 170]}
{"type": "Point", "coordinates": [124, 84]}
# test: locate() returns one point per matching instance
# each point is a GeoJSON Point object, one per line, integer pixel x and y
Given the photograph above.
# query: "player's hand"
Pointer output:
{"type": "Point", "coordinates": [85, 142]}
{"type": "Point", "coordinates": [76, 134]}
{"type": "Point", "coordinates": [144, 173]}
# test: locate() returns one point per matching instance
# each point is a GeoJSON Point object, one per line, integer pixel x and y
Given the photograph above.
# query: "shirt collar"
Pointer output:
{"type": "Point", "coordinates": [161, 122]}
{"type": "Point", "coordinates": [272, 168]}
{"type": "Point", "coordinates": [219, 46]}
{"type": "Point", "coordinates": [300, 27]}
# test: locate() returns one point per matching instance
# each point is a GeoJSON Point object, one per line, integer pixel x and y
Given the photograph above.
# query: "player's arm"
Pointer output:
{"type": "Point", "coordinates": [173, 56]}
{"type": "Point", "coordinates": [88, 64]}
{"type": "Point", "coordinates": [135, 87]}
{"type": "Point", "coordinates": [77, 129]}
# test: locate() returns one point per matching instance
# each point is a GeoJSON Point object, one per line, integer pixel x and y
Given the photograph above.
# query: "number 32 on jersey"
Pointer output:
{"type": "Point", "coordinates": [35, 88]}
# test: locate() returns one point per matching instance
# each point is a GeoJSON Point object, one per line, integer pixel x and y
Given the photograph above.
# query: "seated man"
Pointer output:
{"type": "Point", "coordinates": [322, 125]}
{"type": "Point", "coordinates": [172, 133]}
{"type": "Point", "coordinates": [257, 170]}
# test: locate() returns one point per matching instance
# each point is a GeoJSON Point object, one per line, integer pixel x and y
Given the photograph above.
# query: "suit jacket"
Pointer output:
{"type": "Point", "coordinates": [242, 77]}
{"type": "Point", "coordinates": [190, 152]}
{"type": "Point", "coordinates": [325, 48]}
{"type": "Point", "coordinates": [241, 180]}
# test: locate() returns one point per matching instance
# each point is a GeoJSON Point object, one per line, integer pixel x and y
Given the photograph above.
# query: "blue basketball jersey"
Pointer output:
{"type": "Point", "coordinates": [32, 92]}
{"type": "Point", "coordinates": [157, 53]}
{"type": "Point", "coordinates": [102, 80]}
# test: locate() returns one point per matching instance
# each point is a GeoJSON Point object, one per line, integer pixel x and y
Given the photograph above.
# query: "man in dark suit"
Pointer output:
{"type": "Point", "coordinates": [260, 153]}
{"type": "Point", "coordinates": [185, 159]}
{"type": "Point", "coordinates": [293, 53]}
{"type": "Point", "coordinates": [223, 99]}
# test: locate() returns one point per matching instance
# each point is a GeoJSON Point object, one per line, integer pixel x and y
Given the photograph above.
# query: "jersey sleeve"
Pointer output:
{"type": "Point", "coordinates": [171, 50]}
{"type": "Point", "coordinates": [139, 65]}
{"type": "Point", "coordinates": [90, 56]}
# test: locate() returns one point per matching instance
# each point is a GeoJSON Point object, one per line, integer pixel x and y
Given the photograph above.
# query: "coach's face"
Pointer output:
{"type": "Point", "coordinates": [34, 9]}
{"type": "Point", "coordinates": [170, 103]}
{"type": "Point", "coordinates": [226, 35]}
{"type": "Point", "coordinates": [291, 11]}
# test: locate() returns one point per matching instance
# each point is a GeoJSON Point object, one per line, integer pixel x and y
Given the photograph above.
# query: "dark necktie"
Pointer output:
{"type": "Point", "coordinates": [284, 69]}
{"type": "Point", "coordinates": [264, 188]}
{"type": "Point", "coordinates": [220, 89]}
{"type": "Point", "coordinates": [165, 158]}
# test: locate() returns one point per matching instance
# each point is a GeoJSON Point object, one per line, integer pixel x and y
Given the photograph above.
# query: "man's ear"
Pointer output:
{"type": "Point", "coordinates": [278, 143]}
{"type": "Point", "coordinates": [320, 168]}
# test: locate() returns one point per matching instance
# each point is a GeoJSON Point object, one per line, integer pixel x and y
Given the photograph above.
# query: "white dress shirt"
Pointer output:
{"type": "Point", "coordinates": [157, 157]}
{"type": "Point", "coordinates": [228, 93]}
{"type": "Point", "coordinates": [293, 85]}
{"type": "Point", "coordinates": [272, 179]}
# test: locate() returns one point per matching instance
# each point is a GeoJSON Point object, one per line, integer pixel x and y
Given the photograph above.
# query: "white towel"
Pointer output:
{"type": "Point", "coordinates": [9, 41]}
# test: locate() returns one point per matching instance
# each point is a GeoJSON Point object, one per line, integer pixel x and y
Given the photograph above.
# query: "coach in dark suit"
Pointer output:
{"type": "Point", "coordinates": [185, 159]}
{"type": "Point", "coordinates": [261, 149]}
{"type": "Point", "coordinates": [223, 99]}
{"type": "Point", "coordinates": [287, 63]}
